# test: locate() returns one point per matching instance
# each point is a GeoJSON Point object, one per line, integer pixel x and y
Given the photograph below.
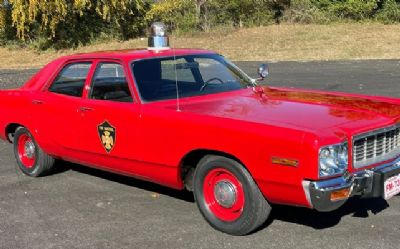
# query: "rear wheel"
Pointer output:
{"type": "Point", "coordinates": [227, 196]}
{"type": "Point", "coordinates": [31, 159]}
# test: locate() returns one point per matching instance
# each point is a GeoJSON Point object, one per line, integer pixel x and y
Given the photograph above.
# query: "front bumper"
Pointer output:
{"type": "Point", "coordinates": [367, 184]}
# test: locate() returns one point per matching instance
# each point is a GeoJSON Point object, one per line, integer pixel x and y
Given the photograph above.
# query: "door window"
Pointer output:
{"type": "Point", "coordinates": [71, 80]}
{"type": "Point", "coordinates": [109, 83]}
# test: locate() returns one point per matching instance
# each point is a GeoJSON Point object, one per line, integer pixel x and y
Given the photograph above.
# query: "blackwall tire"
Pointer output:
{"type": "Point", "coordinates": [31, 159]}
{"type": "Point", "coordinates": [227, 196]}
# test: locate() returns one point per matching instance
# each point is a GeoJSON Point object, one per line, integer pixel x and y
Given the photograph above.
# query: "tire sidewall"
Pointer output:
{"type": "Point", "coordinates": [34, 170]}
{"type": "Point", "coordinates": [205, 166]}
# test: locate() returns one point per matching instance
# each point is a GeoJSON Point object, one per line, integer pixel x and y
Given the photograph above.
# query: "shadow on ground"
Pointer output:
{"type": "Point", "coordinates": [126, 180]}
{"type": "Point", "coordinates": [356, 207]}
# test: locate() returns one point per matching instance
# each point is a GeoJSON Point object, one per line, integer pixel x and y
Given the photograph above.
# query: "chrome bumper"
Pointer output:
{"type": "Point", "coordinates": [367, 184]}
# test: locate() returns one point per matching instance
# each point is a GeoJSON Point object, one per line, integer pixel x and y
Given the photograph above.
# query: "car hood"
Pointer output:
{"type": "Point", "coordinates": [314, 111]}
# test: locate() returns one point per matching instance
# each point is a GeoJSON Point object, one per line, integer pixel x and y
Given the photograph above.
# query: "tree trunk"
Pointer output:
{"type": "Point", "coordinates": [199, 4]}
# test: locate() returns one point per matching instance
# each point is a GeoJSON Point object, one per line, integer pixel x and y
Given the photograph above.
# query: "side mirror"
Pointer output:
{"type": "Point", "coordinates": [263, 71]}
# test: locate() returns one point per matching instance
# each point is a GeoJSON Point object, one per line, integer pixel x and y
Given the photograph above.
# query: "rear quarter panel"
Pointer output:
{"type": "Point", "coordinates": [14, 108]}
{"type": "Point", "coordinates": [16, 105]}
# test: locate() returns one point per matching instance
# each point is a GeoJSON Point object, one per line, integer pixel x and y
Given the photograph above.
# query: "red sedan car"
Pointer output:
{"type": "Point", "coordinates": [188, 118]}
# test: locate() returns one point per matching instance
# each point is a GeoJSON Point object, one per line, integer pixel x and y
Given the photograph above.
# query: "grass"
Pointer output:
{"type": "Point", "coordinates": [285, 42]}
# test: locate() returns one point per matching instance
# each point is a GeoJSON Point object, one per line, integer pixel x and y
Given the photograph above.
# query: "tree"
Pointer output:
{"type": "Point", "coordinates": [6, 30]}
{"type": "Point", "coordinates": [177, 14]}
{"type": "Point", "coordinates": [76, 21]}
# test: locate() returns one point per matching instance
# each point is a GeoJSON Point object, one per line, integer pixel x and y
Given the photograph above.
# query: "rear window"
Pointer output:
{"type": "Point", "coordinates": [71, 80]}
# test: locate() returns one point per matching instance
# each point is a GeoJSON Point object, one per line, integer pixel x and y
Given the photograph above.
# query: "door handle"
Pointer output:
{"type": "Point", "coordinates": [37, 102]}
{"type": "Point", "coordinates": [85, 109]}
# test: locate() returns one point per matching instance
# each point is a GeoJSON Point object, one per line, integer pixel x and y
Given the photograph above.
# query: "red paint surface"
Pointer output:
{"type": "Point", "coordinates": [153, 138]}
{"type": "Point", "coordinates": [26, 161]}
{"type": "Point", "coordinates": [223, 213]}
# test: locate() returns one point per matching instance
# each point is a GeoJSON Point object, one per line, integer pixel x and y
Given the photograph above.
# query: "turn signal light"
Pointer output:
{"type": "Point", "coordinates": [340, 194]}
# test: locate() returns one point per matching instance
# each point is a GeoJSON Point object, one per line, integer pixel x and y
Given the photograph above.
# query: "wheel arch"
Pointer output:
{"type": "Point", "coordinates": [189, 162]}
{"type": "Point", "coordinates": [10, 130]}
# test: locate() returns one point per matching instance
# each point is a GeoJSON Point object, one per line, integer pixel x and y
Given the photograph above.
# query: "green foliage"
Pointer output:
{"type": "Point", "coordinates": [188, 15]}
{"type": "Point", "coordinates": [304, 11]}
{"type": "Point", "coordinates": [2, 24]}
{"type": "Point", "coordinates": [245, 13]}
{"type": "Point", "coordinates": [177, 14]}
{"type": "Point", "coordinates": [70, 23]}
{"type": "Point", "coordinates": [5, 25]}
{"type": "Point", "coordinates": [390, 13]}
{"type": "Point", "coordinates": [67, 23]}
{"type": "Point", "coordinates": [348, 9]}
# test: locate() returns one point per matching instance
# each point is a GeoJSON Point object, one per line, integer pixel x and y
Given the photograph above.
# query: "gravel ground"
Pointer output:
{"type": "Point", "coordinates": [78, 207]}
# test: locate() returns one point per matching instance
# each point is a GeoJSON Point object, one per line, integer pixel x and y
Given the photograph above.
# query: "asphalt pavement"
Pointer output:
{"type": "Point", "coordinates": [79, 207]}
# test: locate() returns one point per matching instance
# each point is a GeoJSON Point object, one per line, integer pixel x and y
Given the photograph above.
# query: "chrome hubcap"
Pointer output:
{"type": "Point", "coordinates": [225, 194]}
{"type": "Point", "coordinates": [29, 149]}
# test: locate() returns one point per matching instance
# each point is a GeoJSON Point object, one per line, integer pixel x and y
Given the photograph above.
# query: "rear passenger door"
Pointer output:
{"type": "Point", "coordinates": [58, 105]}
{"type": "Point", "coordinates": [110, 120]}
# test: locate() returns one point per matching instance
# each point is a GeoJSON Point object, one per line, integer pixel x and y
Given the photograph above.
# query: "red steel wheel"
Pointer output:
{"type": "Point", "coordinates": [31, 159]}
{"type": "Point", "coordinates": [26, 150]}
{"type": "Point", "coordinates": [223, 194]}
{"type": "Point", "coordinates": [228, 197]}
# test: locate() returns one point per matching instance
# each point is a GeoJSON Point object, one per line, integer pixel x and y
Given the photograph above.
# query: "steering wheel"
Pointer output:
{"type": "Point", "coordinates": [209, 81]}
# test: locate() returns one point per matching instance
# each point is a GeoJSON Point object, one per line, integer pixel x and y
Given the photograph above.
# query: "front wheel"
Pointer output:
{"type": "Point", "coordinates": [31, 159]}
{"type": "Point", "coordinates": [227, 196]}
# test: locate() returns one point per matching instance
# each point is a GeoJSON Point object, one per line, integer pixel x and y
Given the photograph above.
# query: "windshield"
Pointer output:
{"type": "Point", "coordinates": [195, 75]}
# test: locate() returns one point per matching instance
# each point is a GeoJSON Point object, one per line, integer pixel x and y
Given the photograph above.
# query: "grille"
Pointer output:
{"type": "Point", "coordinates": [376, 146]}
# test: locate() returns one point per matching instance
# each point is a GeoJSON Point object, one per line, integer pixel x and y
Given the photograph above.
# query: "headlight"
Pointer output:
{"type": "Point", "coordinates": [333, 159]}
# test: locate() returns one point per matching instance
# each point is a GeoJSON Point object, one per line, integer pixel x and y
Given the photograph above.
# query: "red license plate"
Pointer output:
{"type": "Point", "coordinates": [392, 186]}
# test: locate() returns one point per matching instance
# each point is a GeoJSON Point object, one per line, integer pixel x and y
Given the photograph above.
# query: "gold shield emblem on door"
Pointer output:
{"type": "Point", "coordinates": [107, 135]}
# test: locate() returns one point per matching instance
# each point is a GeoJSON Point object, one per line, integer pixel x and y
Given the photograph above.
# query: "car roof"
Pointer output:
{"type": "Point", "coordinates": [131, 54]}
{"type": "Point", "coordinates": [125, 55]}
